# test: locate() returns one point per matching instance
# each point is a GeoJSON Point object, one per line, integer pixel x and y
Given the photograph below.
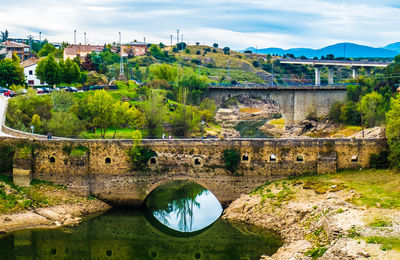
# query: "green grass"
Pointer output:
{"type": "Point", "coordinates": [124, 133]}
{"type": "Point", "coordinates": [387, 243]}
{"type": "Point", "coordinates": [380, 223]}
{"type": "Point", "coordinates": [372, 187]}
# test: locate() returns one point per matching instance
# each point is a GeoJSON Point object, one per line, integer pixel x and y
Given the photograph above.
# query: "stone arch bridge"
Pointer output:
{"type": "Point", "coordinates": [103, 168]}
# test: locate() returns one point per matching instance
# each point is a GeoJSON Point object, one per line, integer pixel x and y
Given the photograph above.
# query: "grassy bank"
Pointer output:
{"type": "Point", "coordinates": [39, 194]}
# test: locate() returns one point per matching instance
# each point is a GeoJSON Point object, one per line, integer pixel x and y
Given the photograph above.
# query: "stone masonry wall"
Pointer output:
{"type": "Point", "coordinates": [105, 171]}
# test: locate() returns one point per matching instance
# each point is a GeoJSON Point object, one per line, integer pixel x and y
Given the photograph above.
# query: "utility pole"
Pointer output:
{"type": "Point", "coordinates": [85, 37]}
{"type": "Point", "coordinates": [40, 36]}
{"type": "Point", "coordinates": [74, 37]}
{"type": "Point", "coordinates": [171, 36]}
{"type": "Point", "coordinates": [144, 39]}
{"type": "Point", "coordinates": [121, 65]}
{"type": "Point", "coordinates": [182, 38]}
{"type": "Point", "coordinates": [177, 36]}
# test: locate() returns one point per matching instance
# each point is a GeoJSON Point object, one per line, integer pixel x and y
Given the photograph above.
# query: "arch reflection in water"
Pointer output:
{"type": "Point", "coordinates": [184, 206]}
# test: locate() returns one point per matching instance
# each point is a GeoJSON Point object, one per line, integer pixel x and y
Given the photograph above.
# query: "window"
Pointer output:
{"type": "Point", "coordinates": [31, 82]}
{"type": "Point", "coordinates": [354, 158]}
{"type": "Point", "coordinates": [272, 158]}
{"type": "Point", "coordinates": [31, 72]}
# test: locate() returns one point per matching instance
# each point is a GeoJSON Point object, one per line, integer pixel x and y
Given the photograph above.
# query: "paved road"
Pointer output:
{"type": "Point", "coordinates": [3, 102]}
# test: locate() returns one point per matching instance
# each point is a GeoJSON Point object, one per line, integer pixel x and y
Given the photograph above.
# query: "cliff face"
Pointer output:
{"type": "Point", "coordinates": [316, 222]}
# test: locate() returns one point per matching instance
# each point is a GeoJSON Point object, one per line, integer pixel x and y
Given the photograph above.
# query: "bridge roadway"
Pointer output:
{"type": "Point", "coordinates": [256, 86]}
{"type": "Point", "coordinates": [355, 65]}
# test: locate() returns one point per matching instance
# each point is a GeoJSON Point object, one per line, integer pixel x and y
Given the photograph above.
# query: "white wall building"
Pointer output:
{"type": "Point", "coordinates": [29, 71]}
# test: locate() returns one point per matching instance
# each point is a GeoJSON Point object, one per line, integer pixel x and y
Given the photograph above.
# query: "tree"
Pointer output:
{"type": "Point", "coordinates": [393, 132]}
{"type": "Point", "coordinates": [153, 113]}
{"type": "Point", "coordinates": [372, 108]}
{"type": "Point", "coordinates": [123, 114]}
{"type": "Point", "coordinates": [156, 52]}
{"type": "Point", "coordinates": [46, 50]}
{"type": "Point", "coordinates": [88, 64]}
{"type": "Point", "coordinates": [71, 72]}
{"type": "Point", "coordinates": [36, 123]}
{"type": "Point", "coordinates": [161, 45]}
{"type": "Point", "coordinates": [48, 70]}
{"type": "Point", "coordinates": [350, 114]}
{"type": "Point", "coordinates": [4, 36]}
{"type": "Point", "coordinates": [164, 72]}
{"type": "Point", "coordinates": [11, 73]}
{"type": "Point", "coordinates": [181, 46]}
{"type": "Point", "coordinates": [100, 107]}
{"type": "Point", "coordinates": [226, 50]}
{"type": "Point", "coordinates": [65, 124]}
{"type": "Point", "coordinates": [215, 45]}
{"type": "Point", "coordinates": [2, 56]}
{"type": "Point", "coordinates": [195, 84]}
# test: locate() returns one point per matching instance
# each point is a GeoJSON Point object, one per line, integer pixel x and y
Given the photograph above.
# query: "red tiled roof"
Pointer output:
{"type": "Point", "coordinates": [29, 62]}
{"type": "Point", "coordinates": [11, 44]}
{"type": "Point", "coordinates": [77, 49]}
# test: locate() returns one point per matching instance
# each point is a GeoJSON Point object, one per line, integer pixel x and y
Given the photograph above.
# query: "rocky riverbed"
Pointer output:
{"type": "Point", "coordinates": [319, 223]}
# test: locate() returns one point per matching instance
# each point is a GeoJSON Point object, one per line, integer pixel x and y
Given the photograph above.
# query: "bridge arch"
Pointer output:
{"type": "Point", "coordinates": [161, 182]}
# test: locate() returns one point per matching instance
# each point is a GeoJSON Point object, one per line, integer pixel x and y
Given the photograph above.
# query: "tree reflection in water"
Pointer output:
{"type": "Point", "coordinates": [175, 204]}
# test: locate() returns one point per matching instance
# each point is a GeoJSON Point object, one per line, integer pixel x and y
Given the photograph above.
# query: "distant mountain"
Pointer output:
{"type": "Point", "coordinates": [394, 46]}
{"type": "Point", "coordinates": [348, 50]}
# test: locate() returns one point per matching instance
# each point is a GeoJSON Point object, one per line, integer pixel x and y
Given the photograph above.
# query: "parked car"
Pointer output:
{"type": "Point", "coordinates": [71, 89]}
{"type": "Point", "coordinates": [47, 90]}
{"type": "Point", "coordinates": [39, 91]}
{"type": "Point", "coordinates": [9, 93]}
{"type": "Point", "coordinates": [2, 90]}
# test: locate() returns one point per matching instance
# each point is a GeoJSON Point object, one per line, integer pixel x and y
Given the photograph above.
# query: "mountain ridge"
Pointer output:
{"type": "Point", "coordinates": [346, 49]}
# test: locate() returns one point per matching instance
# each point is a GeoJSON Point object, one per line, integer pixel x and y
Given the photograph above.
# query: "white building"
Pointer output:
{"type": "Point", "coordinates": [29, 71]}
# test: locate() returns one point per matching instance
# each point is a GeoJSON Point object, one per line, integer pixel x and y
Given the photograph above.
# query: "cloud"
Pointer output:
{"type": "Point", "coordinates": [235, 23]}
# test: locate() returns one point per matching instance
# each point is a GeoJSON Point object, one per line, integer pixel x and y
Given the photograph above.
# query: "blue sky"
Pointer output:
{"type": "Point", "coordinates": [234, 23]}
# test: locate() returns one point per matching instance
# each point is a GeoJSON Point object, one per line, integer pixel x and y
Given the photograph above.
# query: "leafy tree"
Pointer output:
{"type": "Point", "coordinates": [164, 72]}
{"type": "Point", "coordinates": [88, 64]}
{"type": "Point", "coordinates": [122, 114]}
{"type": "Point", "coordinates": [71, 72]}
{"type": "Point", "coordinates": [181, 46]}
{"type": "Point", "coordinates": [48, 70]}
{"type": "Point", "coordinates": [215, 45]}
{"type": "Point", "coordinates": [256, 64]}
{"type": "Point", "coordinates": [62, 100]}
{"type": "Point", "coordinates": [248, 52]}
{"type": "Point", "coordinates": [195, 84]}
{"type": "Point", "coordinates": [11, 73]}
{"type": "Point", "coordinates": [94, 78]}
{"type": "Point", "coordinates": [350, 114]}
{"type": "Point", "coordinates": [65, 124]}
{"type": "Point", "coordinates": [46, 50]}
{"type": "Point", "coordinates": [354, 92]}
{"type": "Point", "coordinates": [198, 52]}
{"type": "Point", "coordinates": [335, 111]}
{"type": "Point", "coordinates": [37, 123]}
{"type": "Point", "coordinates": [153, 114]}
{"type": "Point", "coordinates": [161, 45]}
{"type": "Point", "coordinates": [372, 107]}
{"type": "Point", "coordinates": [187, 51]}
{"type": "Point", "coordinates": [156, 52]}
{"type": "Point", "coordinates": [4, 36]}
{"type": "Point", "coordinates": [208, 110]}
{"type": "Point", "coordinates": [100, 107]}
{"type": "Point", "coordinates": [226, 50]}
{"type": "Point", "coordinates": [2, 56]}
{"type": "Point", "coordinates": [393, 132]}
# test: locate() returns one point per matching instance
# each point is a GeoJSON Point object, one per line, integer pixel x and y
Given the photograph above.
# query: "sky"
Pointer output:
{"type": "Point", "coordinates": [237, 24]}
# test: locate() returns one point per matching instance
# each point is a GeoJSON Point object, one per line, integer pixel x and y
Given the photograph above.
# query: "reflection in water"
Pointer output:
{"type": "Point", "coordinates": [184, 206]}
{"type": "Point", "coordinates": [128, 235]}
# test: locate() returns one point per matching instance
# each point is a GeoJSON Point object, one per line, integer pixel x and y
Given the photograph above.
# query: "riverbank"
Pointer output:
{"type": "Point", "coordinates": [349, 215]}
{"type": "Point", "coordinates": [42, 205]}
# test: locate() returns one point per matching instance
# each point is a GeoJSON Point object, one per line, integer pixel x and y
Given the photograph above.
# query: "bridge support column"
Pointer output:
{"type": "Point", "coordinates": [355, 72]}
{"type": "Point", "coordinates": [368, 70]}
{"type": "Point", "coordinates": [330, 79]}
{"type": "Point", "coordinates": [317, 75]}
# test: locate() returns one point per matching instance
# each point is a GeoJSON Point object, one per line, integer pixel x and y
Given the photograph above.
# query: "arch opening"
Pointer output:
{"type": "Point", "coordinates": [354, 159]}
{"type": "Point", "coordinates": [272, 158]}
{"type": "Point", "coordinates": [108, 160]}
{"type": "Point", "coordinates": [182, 206]}
{"type": "Point", "coordinates": [300, 158]}
{"type": "Point", "coordinates": [52, 159]}
{"type": "Point", "coordinates": [245, 158]}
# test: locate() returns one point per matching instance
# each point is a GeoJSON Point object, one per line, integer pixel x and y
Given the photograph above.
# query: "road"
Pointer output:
{"type": "Point", "coordinates": [3, 104]}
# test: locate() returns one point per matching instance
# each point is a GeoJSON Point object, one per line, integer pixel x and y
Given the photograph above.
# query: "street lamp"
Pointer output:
{"type": "Point", "coordinates": [202, 129]}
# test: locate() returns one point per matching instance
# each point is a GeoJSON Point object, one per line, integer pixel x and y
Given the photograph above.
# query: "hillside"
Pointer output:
{"type": "Point", "coordinates": [348, 50]}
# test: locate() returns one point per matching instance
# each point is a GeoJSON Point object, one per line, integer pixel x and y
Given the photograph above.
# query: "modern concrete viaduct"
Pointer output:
{"type": "Point", "coordinates": [331, 64]}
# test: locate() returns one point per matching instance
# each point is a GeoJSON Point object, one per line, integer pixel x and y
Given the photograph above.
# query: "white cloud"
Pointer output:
{"type": "Point", "coordinates": [235, 23]}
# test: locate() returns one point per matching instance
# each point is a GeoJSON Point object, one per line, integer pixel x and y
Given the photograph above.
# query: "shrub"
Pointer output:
{"type": "Point", "coordinates": [248, 51]}
{"type": "Point", "coordinates": [140, 156]}
{"type": "Point", "coordinates": [187, 51]}
{"type": "Point", "coordinates": [7, 154]}
{"type": "Point", "coordinates": [256, 64]}
{"type": "Point", "coordinates": [198, 52]}
{"type": "Point", "coordinates": [215, 45]}
{"type": "Point", "coordinates": [196, 61]}
{"type": "Point", "coordinates": [379, 161]}
{"type": "Point", "coordinates": [232, 159]}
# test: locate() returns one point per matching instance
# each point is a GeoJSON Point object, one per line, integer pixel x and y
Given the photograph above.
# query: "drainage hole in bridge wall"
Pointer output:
{"type": "Point", "coordinates": [108, 160]}
{"type": "Point", "coordinates": [52, 159]}
{"type": "Point", "coordinates": [53, 251]}
{"type": "Point", "coordinates": [153, 160]}
{"type": "Point", "coordinates": [153, 254]}
{"type": "Point", "coordinates": [245, 158]}
{"type": "Point", "coordinates": [299, 158]}
{"type": "Point", "coordinates": [108, 253]}
{"type": "Point", "coordinates": [272, 158]}
{"type": "Point", "coordinates": [197, 255]}
{"type": "Point", "coordinates": [354, 158]}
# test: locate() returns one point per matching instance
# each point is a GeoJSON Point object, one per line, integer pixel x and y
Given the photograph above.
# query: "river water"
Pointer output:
{"type": "Point", "coordinates": [180, 221]}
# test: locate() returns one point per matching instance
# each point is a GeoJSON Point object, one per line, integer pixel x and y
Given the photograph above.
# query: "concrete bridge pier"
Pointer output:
{"type": "Point", "coordinates": [330, 78]}
{"type": "Point", "coordinates": [317, 75]}
{"type": "Point", "coordinates": [355, 71]}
